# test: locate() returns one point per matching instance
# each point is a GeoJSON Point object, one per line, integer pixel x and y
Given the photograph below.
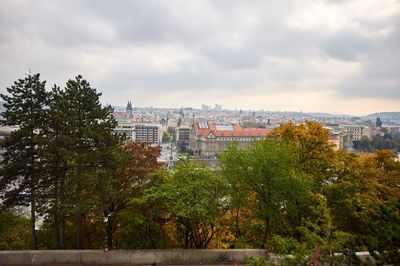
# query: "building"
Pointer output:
{"type": "Point", "coordinates": [207, 139]}
{"type": "Point", "coordinates": [129, 109]}
{"type": "Point", "coordinates": [357, 131]}
{"type": "Point", "coordinates": [183, 138]}
{"type": "Point", "coordinates": [148, 133]}
{"type": "Point", "coordinates": [126, 128]}
{"type": "Point", "coordinates": [378, 122]}
{"type": "Point", "coordinates": [340, 140]}
{"type": "Point", "coordinates": [140, 131]}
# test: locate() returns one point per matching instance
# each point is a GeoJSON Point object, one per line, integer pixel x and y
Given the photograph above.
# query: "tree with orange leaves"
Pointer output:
{"type": "Point", "coordinates": [133, 165]}
{"type": "Point", "coordinates": [309, 142]}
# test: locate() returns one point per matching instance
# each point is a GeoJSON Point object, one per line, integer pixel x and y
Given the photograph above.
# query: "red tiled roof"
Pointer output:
{"type": "Point", "coordinates": [120, 113]}
{"type": "Point", "coordinates": [333, 137]}
{"type": "Point", "coordinates": [238, 131]}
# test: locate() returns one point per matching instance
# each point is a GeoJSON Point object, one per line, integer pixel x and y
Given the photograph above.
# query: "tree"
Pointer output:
{"type": "Point", "coordinates": [14, 231]}
{"type": "Point", "coordinates": [267, 172]}
{"type": "Point", "coordinates": [83, 136]}
{"type": "Point", "coordinates": [21, 172]}
{"type": "Point", "coordinates": [380, 203]}
{"type": "Point", "coordinates": [364, 144]}
{"type": "Point", "coordinates": [125, 180]}
{"type": "Point", "coordinates": [309, 142]}
{"type": "Point", "coordinates": [320, 239]}
{"type": "Point", "coordinates": [193, 196]}
{"type": "Point", "coordinates": [56, 165]}
{"type": "Point", "coordinates": [364, 201]}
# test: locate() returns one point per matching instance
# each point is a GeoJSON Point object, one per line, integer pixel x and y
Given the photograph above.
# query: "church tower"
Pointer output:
{"type": "Point", "coordinates": [129, 108]}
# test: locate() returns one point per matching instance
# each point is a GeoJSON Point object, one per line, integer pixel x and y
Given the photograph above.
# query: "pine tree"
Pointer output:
{"type": "Point", "coordinates": [56, 166]}
{"type": "Point", "coordinates": [21, 172]}
{"type": "Point", "coordinates": [85, 144]}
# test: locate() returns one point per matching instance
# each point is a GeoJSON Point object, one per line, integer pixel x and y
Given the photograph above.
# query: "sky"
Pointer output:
{"type": "Point", "coordinates": [337, 56]}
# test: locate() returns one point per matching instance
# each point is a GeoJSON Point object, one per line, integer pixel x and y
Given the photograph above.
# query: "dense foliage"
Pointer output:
{"type": "Point", "coordinates": [386, 140]}
{"type": "Point", "coordinates": [290, 193]}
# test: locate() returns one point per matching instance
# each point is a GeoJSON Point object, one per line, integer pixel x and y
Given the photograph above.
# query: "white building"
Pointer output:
{"type": "Point", "coordinates": [143, 132]}
{"type": "Point", "coordinates": [357, 131]}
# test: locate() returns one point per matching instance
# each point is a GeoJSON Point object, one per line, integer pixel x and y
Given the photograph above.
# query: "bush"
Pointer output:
{"type": "Point", "coordinates": [258, 261]}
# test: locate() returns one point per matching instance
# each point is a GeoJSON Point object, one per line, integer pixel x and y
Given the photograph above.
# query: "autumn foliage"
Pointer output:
{"type": "Point", "coordinates": [290, 193]}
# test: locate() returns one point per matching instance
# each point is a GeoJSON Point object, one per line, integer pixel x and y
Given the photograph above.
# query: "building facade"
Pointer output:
{"type": "Point", "coordinates": [207, 139]}
{"type": "Point", "coordinates": [340, 140]}
{"type": "Point", "coordinates": [357, 131]}
{"type": "Point", "coordinates": [183, 138]}
{"type": "Point", "coordinates": [148, 133]}
{"type": "Point", "coordinates": [142, 132]}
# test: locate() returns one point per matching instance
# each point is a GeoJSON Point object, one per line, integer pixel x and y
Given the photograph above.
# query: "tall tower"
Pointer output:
{"type": "Point", "coordinates": [378, 122]}
{"type": "Point", "coordinates": [129, 108]}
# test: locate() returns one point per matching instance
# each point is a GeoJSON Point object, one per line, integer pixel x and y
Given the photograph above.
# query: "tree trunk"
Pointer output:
{"type": "Point", "coordinates": [266, 232]}
{"type": "Point", "coordinates": [61, 224]}
{"type": "Point", "coordinates": [33, 219]}
{"type": "Point", "coordinates": [78, 230]}
{"type": "Point", "coordinates": [109, 232]}
{"type": "Point", "coordinates": [61, 241]}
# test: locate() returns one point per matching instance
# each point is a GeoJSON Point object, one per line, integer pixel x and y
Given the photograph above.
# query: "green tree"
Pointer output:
{"type": "Point", "coordinates": [364, 144]}
{"type": "Point", "coordinates": [133, 165]}
{"type": "Point", "coordinates": [56, 166]}
{"type": "Point", "coordinates": [268, 173]}
{"type": "Point", "coordinates": [309, 142]}
{"type": "Point", "coordinates": [14, 231]}
{"type": "Point", "coordinates": [83, 140]}
{"type": "Point", "coordinates": [193, 196]}
{"type": "Point", "coordinates": [320, 239]}
{"type": "Point", "coordinates": [364, 201]}
{"type": "Point", "coordinates": [21, 171]}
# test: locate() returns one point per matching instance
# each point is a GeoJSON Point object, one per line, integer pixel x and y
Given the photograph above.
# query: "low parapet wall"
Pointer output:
{"type": "Point", "coordinates": [131, 257]}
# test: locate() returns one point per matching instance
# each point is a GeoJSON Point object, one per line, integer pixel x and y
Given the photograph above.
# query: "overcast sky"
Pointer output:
{"type": "Point", "coordinates": [338, 56]}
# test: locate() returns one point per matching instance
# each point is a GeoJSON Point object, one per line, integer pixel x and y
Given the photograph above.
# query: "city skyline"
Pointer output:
{"type": "Point", "coordinates": [337, 57]}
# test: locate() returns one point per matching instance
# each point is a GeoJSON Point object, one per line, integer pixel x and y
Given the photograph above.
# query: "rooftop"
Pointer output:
{"type": "Point", "coordinates": [227, 130]}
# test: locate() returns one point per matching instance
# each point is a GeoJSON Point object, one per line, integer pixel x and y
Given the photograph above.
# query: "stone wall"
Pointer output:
{"type": "Point", "coordinates": [129, 257]}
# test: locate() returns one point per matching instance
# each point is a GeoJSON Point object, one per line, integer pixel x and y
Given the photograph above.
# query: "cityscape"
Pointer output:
{"type": "Point", "coordinates": [189, 129]}
{"type": "Point", "coordinates": [185, 132]}
{"type": "Point", "coordinates": [201, 132]}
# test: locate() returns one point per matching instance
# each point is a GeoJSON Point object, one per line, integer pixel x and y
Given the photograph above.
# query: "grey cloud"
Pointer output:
{"type": "Point", "coordinates": [346, 45]}
{"type": "Point", "coordinates": [380, 63]}
{"type": "Point", "coordinates": [238, 47]}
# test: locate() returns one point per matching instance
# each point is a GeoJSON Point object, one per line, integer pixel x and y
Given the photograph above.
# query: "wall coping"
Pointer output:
{"type": "Point", "coordinates": [130, 257]}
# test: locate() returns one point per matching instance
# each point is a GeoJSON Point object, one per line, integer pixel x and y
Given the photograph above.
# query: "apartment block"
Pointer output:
{"type": "Point", "coordinates": [143, 132]}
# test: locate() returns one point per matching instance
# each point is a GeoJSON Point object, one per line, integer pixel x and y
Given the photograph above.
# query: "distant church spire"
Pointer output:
{"type": "Point", "coordinates": [378, 122]}
{"type": "Point", "coordinates": [129, 108]}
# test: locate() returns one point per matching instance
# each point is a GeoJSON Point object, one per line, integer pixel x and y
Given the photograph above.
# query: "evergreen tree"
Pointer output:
{"type": "Point", "coordinates": [21, 171]}
{"type": "Point", "coordinates": [85, 141]}
{"type": "Point", "coordinates": [56, 166]}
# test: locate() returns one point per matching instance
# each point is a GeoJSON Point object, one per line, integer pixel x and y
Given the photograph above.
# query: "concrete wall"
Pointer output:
{"type": "Point", "coordinates": [131, 257]}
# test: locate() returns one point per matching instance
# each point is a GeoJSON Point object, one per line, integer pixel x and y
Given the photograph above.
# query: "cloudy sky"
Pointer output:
{"type": "Point", "coordinates": [338, 56]}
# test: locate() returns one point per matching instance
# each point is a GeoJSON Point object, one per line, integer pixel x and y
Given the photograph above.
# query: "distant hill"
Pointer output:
{"type": "Point", "coordinates": [329, 115]}
{"type": "Point", "coordinates": [384, 116]}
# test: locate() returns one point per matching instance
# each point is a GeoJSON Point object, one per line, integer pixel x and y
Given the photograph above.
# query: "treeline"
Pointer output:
{"type": "Point", "coordinates": [386, 140]}
{"type": "Point", "coordinates": [66, 163]}
{"type": "Point", "coordinates": [290, 193]}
